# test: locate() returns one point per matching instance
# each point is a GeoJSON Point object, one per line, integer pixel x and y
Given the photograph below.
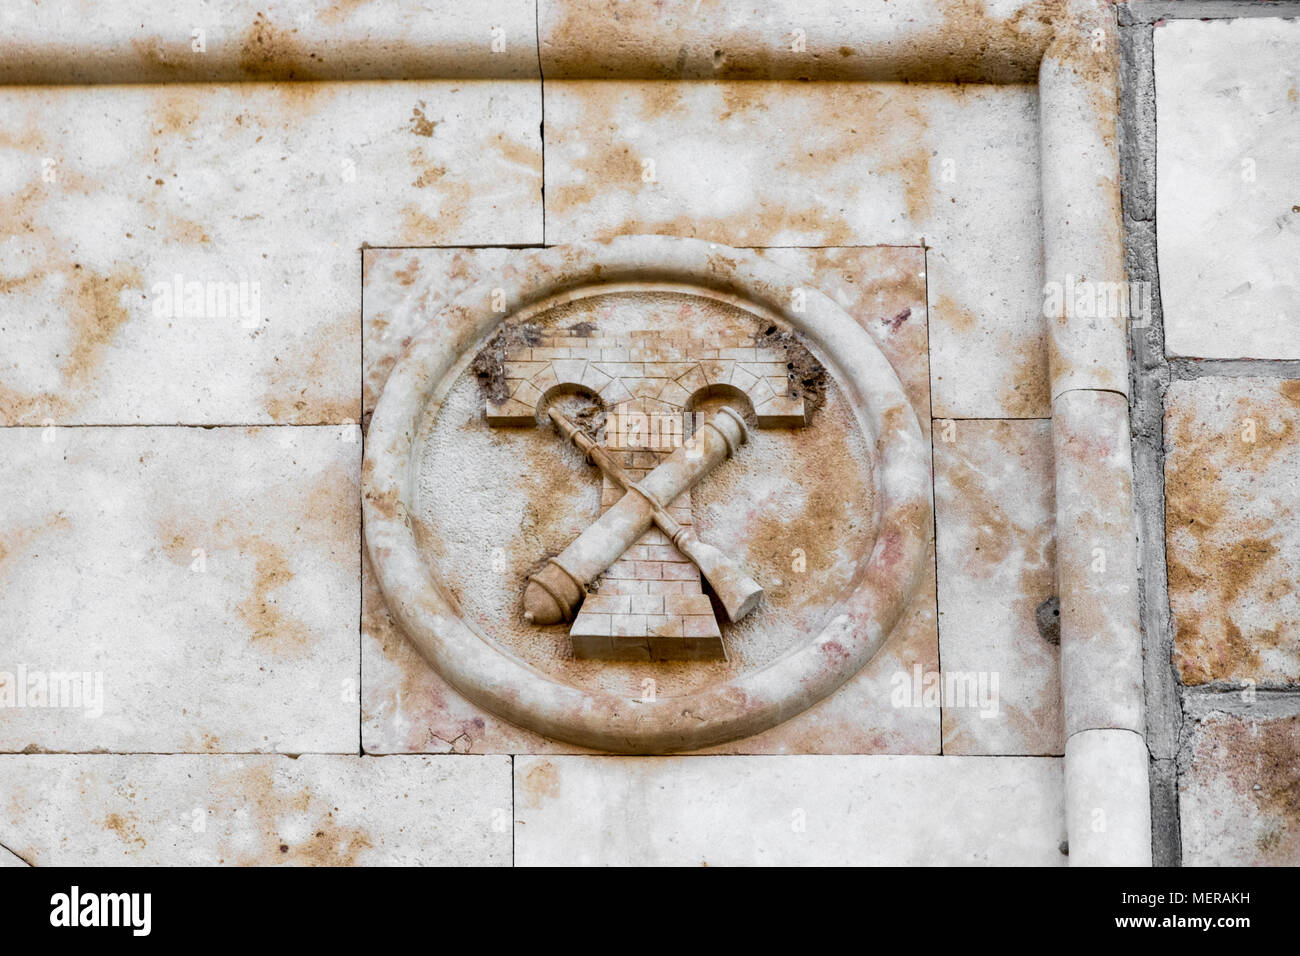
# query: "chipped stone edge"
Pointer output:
{"type": "Point", "coordinates": [1106, 760]}
{"type": "Point", "coordinates": [745, 705]}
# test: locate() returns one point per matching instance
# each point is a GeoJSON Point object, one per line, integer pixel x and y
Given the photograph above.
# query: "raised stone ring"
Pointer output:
{"type": "Point", "coordinates": [495, 676]}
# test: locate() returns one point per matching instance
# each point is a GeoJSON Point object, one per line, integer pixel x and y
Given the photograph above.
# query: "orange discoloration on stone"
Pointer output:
{"type": "Point", "coordinates": [1028, 392]}
{"type": "Point", "coordinates": [540, 783]}
{"type": "Point", "coordinates": [302, 393]}
{"type": "Point", "coordinates": [271, 52]}
{"type": "Point", "coordinates": [99, 313]}
{"type": "Point", "coordinates": [327, 843]}
{"type": "Point", "coordinates": [1240, 791]}
{"type": "Point", "coordinates": [14, 541]}
{"type": "Point", "coordinates": [603, 162]}
{"type": "Point", "coordinates": [954, 316]}
{"type": "Point", "coordinates": [187, 231]}
{"type": "Point", "coordinates": [1231, 530]}
{"type": "Point", "coordinates": [280, 634]}
{"type": "Point", "coordinates": [124, 828]}
{"type": "Point", "coordinates": [420, 124]}
{"type": "Point", "coordinates": [718, 39]}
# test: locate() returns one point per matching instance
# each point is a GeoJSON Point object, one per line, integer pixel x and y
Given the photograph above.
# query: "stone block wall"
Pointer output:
{"type": "Point", "coordinates": [1211, 130]}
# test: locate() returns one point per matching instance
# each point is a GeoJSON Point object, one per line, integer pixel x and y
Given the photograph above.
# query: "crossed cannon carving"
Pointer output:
{"type": "Point", "coordinates": [554, 593]}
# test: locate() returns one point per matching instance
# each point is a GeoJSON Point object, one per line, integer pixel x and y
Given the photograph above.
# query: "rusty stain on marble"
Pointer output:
{"type": "Point", "coordinates": [1232, 451]}
{"type": "Point", "coordinates": [154, 563]}
{"type": "Point", "coordinates": [254, 810]}
{"type": "Point", "coordinates": [173, 41]}
{"type": "Point", "coordinates": [1239, 793]}
{"type": "Point", "coordinates": [246, 314]}
{"type": "Point", "coordinates": [942, 166]}
{"type": "Point", "coordinates": [947, 41]}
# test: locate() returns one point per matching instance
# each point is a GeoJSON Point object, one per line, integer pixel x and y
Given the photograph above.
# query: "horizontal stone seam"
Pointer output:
{"type": "Point", "coordinates": [1199, 703]}
{"type": "Point", "coordinates": [1146, 12]}
{"type": "Point", "coordinates": [1188, 369]}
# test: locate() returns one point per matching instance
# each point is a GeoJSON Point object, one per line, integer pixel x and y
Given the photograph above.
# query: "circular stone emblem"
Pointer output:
{"type": "Point", "coordinates": [646, 495]}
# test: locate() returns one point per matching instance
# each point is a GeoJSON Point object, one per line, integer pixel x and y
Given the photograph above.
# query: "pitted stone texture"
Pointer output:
{"type": "Point", "coordinates": [1239, 790]}
{"type": "Point", "coordinates": [206, 579]}
{"type": "Point", "coordinates": [409, 708]}
{"type": "Point", "coordinates": [240, 810]}
{"type": "Point", "coordinates": [856, 164]}
{"type": "Point", "coordinates": [114, 194]}
{"type": "Point", "coordinates": [798, 810]}
{"type": "Point", "coordinates": [1232, 480]}
{"type": "Point", "coordinates": [995, 518]}
{"type": "Point", "coordinates": [1228, 159]}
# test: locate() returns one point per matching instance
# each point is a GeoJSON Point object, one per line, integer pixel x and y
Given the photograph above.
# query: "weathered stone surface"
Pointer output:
{"type": "Point", "coordinates": [995, 520]}
{"type": "Point", "coordinates": [884, 288]}
{"type": "Point", "coordinates": [1097, 563]}
{"type": "Point", "coordinates": [1107, 799]}
{"type": "Point", "coordinates": [1228, 158]}
{"type": "Point", "coordinates": [1086, 298]}
{"type": "Point", "coordinates": [115, 192]}
{"type": "Point", "coordinates": [956, 167]}
{"type": "Point", "coordinates": [451, 605]}
{"type": "Point", "coordinates": [169, 41]}
{"type": "Point", "coordinates": [403, 290]}
{"type": "Point", "coordinates": [206, 581]}
{"type": "Point", "coordinates": [1239, 790]}
{"type": "Point", "coordinates": [794, 40]}
{"type": "Point", "coordinates": [408, 708]}
{"type": "Point", "coordinates": [240, 810]}
{"type": "Point", "coordinates": [1232, 480]}
{"type": "Point", "coordinates": [796, 810]}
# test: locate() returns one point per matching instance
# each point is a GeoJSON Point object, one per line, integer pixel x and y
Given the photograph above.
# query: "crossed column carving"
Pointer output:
{"type": "Point", "coordinates": [643, 550]}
